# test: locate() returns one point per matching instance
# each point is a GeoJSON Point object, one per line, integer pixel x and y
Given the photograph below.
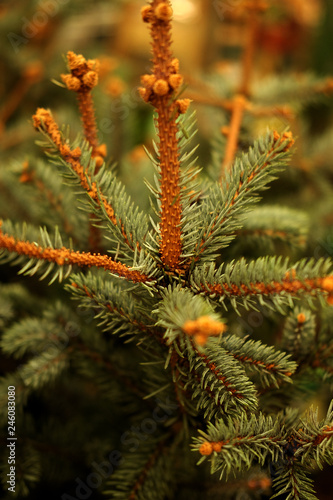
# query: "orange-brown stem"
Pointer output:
{"type": "Point", "coordinates": [83, 77]}
{"type": "Point", "coordinates": [64, 256]}
{"type": "Point", "coordinates": [244, 90]}
{"type": "Point", "coordinates": [233, 132]}
{"type": "Point", "coordinates": [88, 118]}
{"type": "Point", "coordinates": [248, 54]}
{"type": "Point", "coordinates": [159, 89]}
{"type": "Point", "coordinates": [210, 99]}
{"type": "Point", "coordinates": [170, 245]}
{"type": "Point", "coordinates": [270, 367]}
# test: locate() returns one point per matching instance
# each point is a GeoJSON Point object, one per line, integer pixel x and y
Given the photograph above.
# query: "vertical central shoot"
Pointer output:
{"type": "Point", "coordinates": [159, 89]}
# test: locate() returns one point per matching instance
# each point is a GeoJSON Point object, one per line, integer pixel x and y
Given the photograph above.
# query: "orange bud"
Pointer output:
{"type": "Point", "coordinates": [176, 81]}
{"type": "Point", "coordinates": [144, 93]}
{"type": "Point", "coordinates": [289, 137]}
{"type": "Point", "coordinates": [190, 327]}
{"type": "Point", "coordinates": [99, 160]}
{"type": "Point", "coordinates": [146, 13]}
{"type": "Point", "coordinates": [161, 87]}
{"type": "Point", "coordinates": [75, 60]}
{"type": "Point", "coordinates": [201, 339]}
{"type": "Point", "coordinates": [206, 448]}
{"type": "Point", "coordinates": [182, 105]}
{"type": "Point", "coordinates": [148, 80]}
{"type": "Point", "coordinates": [71, 82]}
{"type": "Point", "coordinates": [301, 318]}
{"type": "Point", "coordinates": [266, 482]}
{"type": "Point", "coordinates": [90, 79]}
{"type": "Point", "coordinates": [217, 447]}
{"type": "Point", "coordinates": [327, 283]}
{"type": "Point", "coordinates": [101, 150]}
{"type": "Point", "coordinates": [163, 12]}
{"type": "Point", "coordinates": [174, 66]}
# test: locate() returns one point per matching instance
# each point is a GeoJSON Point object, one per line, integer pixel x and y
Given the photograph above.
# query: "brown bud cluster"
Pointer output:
{"type": "Point", "coordinates": [153, 86]}
{"type": "Point", "coordinates": [83, 73]}
{"type": "Point", "coordinates": [202, 328]}
{"type": "Point", "coordinates": [162, 12]}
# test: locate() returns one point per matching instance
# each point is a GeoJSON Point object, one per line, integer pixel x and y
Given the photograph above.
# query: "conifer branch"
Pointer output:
{"type": "Point", "coordinates": [112, 310]}
{"type": "Point", "coordinates": [272, 367]}
{"type": "Point", "coordinates": [30, 176]}
{"type": "Point", "coordinates": [263, 226]}
{"type": "Point", "coordinates": [291, 482]}
{"type": "Point", "coordinates": [298, 336]}
{"type": "Point", "coordinates": [101, 361]}
{"type": "Point", "coordinates": [222, 378]}
{"type": "Point", "coordinates": [44, 368]}
{"type": "Point", "coordinates": [249, 174]}
{"type": "Point", "coordinates": [145, 470]}
{"type": "Point", "coordinates": [209, 98]}
{"type": "Point", "coordinates": [65, 257]}
{"type": "Point", "coordinates": [288, 141]}
{"type": "Point", "coordinates": [213, 368]}
{"type": "Point", "coordinates": [233, 446]}
{"type": "Point", "coordinates": [44, 121]}
{"type": "Point", "coordinates": [292, 287]}
{"type": "Point", "coordinates": [82, 79]}
{"type": "Point", "coordinates": [159, 89]}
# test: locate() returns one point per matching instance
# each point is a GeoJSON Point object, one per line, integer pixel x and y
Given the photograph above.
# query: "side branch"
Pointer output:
{"type": "Point", "coordinates": [119, 311]}
{"type": "Point", "coordinates": [244, 185]}
{"type": "Point", "coordinates": [277, 140]}
{"type": "Point", "coordinates": [64, 256]}
{"type": "Point", "coordinates": [219, 376]}
{"type": "Point", "coordinates": [43, 120]}
{"type": "Point", "coordinates": [290, 286]}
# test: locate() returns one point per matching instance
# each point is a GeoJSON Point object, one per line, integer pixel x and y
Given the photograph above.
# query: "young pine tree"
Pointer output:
{"type": "Point", "coordinates": [148, 385]}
